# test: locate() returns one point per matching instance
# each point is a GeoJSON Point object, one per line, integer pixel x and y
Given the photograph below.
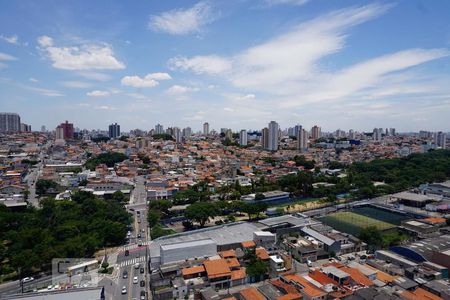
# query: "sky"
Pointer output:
{"type": "Point", "coordinates": [233, 63]}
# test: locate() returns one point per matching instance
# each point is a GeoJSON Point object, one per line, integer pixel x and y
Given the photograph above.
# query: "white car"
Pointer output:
{"type": "Point", "coordinates": [124, 290]}
{"type": "Point", "coordinates": [137, 265]}
{"type": "Point", "coordinates": [27, 279]}
{"type": "Point", "coordinates": [135, 279]}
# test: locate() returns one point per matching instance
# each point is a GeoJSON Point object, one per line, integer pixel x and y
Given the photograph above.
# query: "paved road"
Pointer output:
{"type": "Point", "coordinates": [136, 257]}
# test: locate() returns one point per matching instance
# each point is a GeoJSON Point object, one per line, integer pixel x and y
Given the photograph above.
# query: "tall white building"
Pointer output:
{"type": "Point", "coordinates": [187, 132]}
{"type": "Point", "coordinates": [440, 139]}
{"type": "Point", "coordinates": [377, 134]}
{"type": "Point", "coordinates": [302, 139]}
{"type": "Point", "coordinates": [59, 133]}
{"type": "Point", "coordinates": [159, 129]}
{"type": "Point", "coordinates": [9, 122]}
{"type": "Point", "coordinates": [206, 129]}
{"type": "Point", "coordinates": [351, 134]}
{"type": "Point", "coordinates": [177, 135]}
{"type": "Point", "coordinates": [243, 138]}
{"type": "Point", "coordinates": [274, 129]}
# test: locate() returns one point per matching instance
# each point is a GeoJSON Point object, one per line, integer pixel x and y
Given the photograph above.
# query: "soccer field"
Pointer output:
{"type": "Point", "coordinates": [352, 223]}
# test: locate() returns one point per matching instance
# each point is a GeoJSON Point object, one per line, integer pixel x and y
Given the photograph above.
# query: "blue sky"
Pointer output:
{"type": "Point", "coordinates": [237, 64]}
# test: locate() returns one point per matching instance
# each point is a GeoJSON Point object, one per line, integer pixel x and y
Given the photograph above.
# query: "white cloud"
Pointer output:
{"type": "Point", "coordinates": [95, 76]}
{"type": "Point", "coordinates": [41, 91]}
{"type": "Point", "coordinates": [7, 57]}
{"type": "Point", "coordinates": [45, 41]}
{"type": "Point", "coordinates": [83, 57]}
{"type": "Point", "coordinates": [183, 21]}
{"type": "Point", "coordinates": [280, 2]}
{"type": "Point", "coordinates": [104, 107]}
{"type": "Point", "coordinates": [76, 84]}
{"type": "Point", "coordinates": [367, 75]}
{"type": "Point", "coordinates": [3, 66]}
{"type": "Point", "coordinates": [246, 97]}
{"type": "Point", "coordinates": [14, 39]}
{"type": "Point", "coordinates": [33, 79]}
{"type": "Point", "coordinates": [180, 89]}
{"type": "Point", "coordinates": [209, 64]}
{"type": "Point", "coordinates": [98, 93]}
{"type": "Point", "coordinates": [150, 80]}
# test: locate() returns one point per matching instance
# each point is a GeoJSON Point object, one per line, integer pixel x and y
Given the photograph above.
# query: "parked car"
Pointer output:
{"type": "Point", "coordinates": [135, 280]}
{"type": "Point", "coordinates": [142, 271]}
{"type": "Point", "coordinates": [142, 283]}
{"type": "Point", "coordinates": [124, 290]}
{"type": "Point", "coordinates": [125, 274]}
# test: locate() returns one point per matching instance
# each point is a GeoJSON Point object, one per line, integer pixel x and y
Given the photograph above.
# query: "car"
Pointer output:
{"type": "Point", "coordinates": [127, 252]}
{"type": "Point", "coordinates": [143, 296]}
{"type": "Point", "coordinates": [138, 255]}
{"type": "Point", "coordinates": [27, 279]}
{"type": "Point", "coordinates": [139, 220]}
{"type": "Point", "coordinates": [139, 236]}
{"type": "Point", "coordinates": [140, 243]}
{"type": "Point", "coordinates": [124, 290]}
{"type": "Point", "coordinates": [142, 283]}
{"type": "Point", "coordinates": [137, 266]}
{"type": "Point", "coordinates": [142, 271]}
{"type": "Point", "coordinates": [138, 212]}
{"type": "Point", "coordinates": [135, 279]}
{"type": "Point", "coordinates": [125, 274]}
{"type": "Point", "coordinates": [143, 230]}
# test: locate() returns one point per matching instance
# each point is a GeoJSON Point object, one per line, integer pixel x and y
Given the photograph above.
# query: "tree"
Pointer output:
{"type": "Point", "coordinates": [43, 185]}
{"type": "Point", "coordinates": [253, 208]}
{"type": "Point", "coordinates": [109, 158]}
{"type": "Point", "coordinates": [153, 217]}
{"type": "Point", "coordinates": [371, 236]}
{"type": "Point", "coordinates": [200, 212]}
{"type": "Point", "coordinates": [161, 205]}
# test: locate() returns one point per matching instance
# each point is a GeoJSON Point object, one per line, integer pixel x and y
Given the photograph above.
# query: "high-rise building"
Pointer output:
{"type": "Point", "coordinates": [229, 134]}
{"type": "Point", "coordinates": [177, 134]}
{"type": "Point", "coordinates": [243, 138]}
{"type": "Point", "coordinates": [392, 131]}
{"type": "Point", "coordinates": [43, 128]}
{"type": "Point", "coordinates": [206, 129]}
{"type": "Point", "coordinates": [59, 133]}
{"type": "Point", "coordinates": [25, 127]}
{"type": "Point", "coordinates": [68, 130]}
{"type": "Point", "coordinates": [159, 129]}
{"type": "Point", "coordinates": [274, 129]}
{"type": "Point", "coordinates": [9, 122]}
{"type": "Point", "coordinates": [114, 131]}
{"type": "Point", "coordinates": [302, 139]}
{"type": "Point", "coordinates": [265, 138]}
{"type": "Point", "coordinates": [377, 134]}
{"type": "Point", "coordinates": [440, 139]}
{"type": "Point", "coordinates": [187, 132]}
{"type": "Point", "coordinates": [315, 132]}
{"type": "Point", "coordinates": [351, 134]}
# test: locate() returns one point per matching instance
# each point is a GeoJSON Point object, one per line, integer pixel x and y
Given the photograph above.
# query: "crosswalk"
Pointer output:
{"type": "Point", "coordinates": [133, 246]}
{"type": "Point", "coordinates": [132, 261]}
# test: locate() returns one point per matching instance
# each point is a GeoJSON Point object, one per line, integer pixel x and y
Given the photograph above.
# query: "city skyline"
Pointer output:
{"type": "Point", "coordinates": [238, 65]}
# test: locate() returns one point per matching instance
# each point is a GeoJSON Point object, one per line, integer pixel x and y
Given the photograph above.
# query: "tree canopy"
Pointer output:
{"type": "Point", "coordinates": [109, 159]}
{"type": "Point", "coordinates": [200, 212]}
{"type": "Point", "coordinates": [31, 238]}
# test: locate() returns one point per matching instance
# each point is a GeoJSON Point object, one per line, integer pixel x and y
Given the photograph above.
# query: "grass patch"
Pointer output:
{"type": "Point", "coordinates": [352, 223]}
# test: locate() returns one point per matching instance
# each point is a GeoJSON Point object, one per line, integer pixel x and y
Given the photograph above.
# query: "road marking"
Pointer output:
{"type": "Point", "coordinates": [131, 261]}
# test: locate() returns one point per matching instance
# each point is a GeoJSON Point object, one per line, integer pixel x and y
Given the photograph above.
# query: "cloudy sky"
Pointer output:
{"type": "Point", "coordinates": [234, 63]}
